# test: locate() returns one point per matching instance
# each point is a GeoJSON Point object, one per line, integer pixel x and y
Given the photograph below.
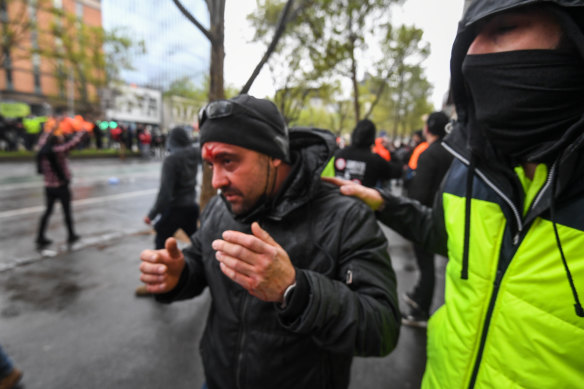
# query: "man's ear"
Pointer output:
{"type": "Point", "coordinates": [276, 162]}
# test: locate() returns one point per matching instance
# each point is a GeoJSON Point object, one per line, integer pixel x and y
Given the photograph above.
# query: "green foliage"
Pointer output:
{"type": "Point", "coordinates": [120, 48]}
{"type": "Point", "coordinates": [342, 42]}
{"type": "Point", "coordinates": [185, 87]}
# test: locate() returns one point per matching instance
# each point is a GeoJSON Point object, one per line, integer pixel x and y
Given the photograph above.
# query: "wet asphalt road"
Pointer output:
{"type": "Point", "coordinates": [69, 318]}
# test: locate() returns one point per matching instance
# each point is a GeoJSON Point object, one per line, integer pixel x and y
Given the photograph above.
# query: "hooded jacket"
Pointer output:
{"type": "Point", "coordinates": [179, 174]}
{"type": "Point", "coordinates": [512, 315]}
{"type": "Point", "coordinates": [359, 163]}
{"type": "Point", "coordinates": [344, 303]}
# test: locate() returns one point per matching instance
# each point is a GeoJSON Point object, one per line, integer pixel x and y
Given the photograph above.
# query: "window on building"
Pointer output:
{"type": "Point", "coordinates": [61, 77]}
{"type": "Point", "coordinates": [34, 40]}
{"type": "Point", "coordinates": [8, 71]}
{"type": "Point", "coordinates": [36, 62]}
{"type": "Point", "coordinates": [79, 10]}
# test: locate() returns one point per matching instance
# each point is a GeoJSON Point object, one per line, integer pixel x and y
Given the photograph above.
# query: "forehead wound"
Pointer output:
{"type": "Point", "coordinates": [209, 150]}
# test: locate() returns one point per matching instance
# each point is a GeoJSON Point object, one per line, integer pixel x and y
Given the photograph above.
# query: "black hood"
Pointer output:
{"type": "Point", "coordinates": [363, 135]}
{"type": "Point", "coordinates": [178, 138]}
{"type": "Point", "coordinates": [569, 12]}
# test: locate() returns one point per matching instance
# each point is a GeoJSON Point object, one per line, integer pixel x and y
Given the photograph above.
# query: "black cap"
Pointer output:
{"type": "Point", "coordinates": [248, 122]}
{"type": "Point", "coordinates": [363, 135]}
{"type": "Point", "coordinates": [437, 122]}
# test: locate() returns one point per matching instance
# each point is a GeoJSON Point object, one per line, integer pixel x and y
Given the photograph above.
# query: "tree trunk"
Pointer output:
{"type": "Point", "coordinates": [216, 89]}
{"type": "Point", "coordinates": [356, 104]}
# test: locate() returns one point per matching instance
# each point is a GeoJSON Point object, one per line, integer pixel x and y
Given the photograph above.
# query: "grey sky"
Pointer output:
{"type": "Point", "coordinates": [175, 48]}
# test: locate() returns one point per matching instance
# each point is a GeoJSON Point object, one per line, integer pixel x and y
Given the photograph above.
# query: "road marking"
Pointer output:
{"type": "Point", "coordinates": [78, 181]}
{"type": "Point", "coordinates": [92, 200]}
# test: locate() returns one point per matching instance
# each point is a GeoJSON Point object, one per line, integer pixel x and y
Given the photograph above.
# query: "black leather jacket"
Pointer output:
{"type": "Point", "coordinates": [345, 301]}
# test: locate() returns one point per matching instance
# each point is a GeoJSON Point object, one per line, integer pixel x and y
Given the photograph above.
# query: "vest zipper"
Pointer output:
{"type": "Point", "coordinates": [543, 188]}
{"type": "Point", "coordinates": [500, 193]}
{"type": "Point", "coordinates": [500, 271]}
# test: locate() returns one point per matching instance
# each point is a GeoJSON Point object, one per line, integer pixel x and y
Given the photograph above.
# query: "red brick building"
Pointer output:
{"type": "Point", "coordinates": [32, 33]}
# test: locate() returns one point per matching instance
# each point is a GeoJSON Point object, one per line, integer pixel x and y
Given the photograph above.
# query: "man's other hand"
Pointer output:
{"type": "Point", "coordinates": [161, 269]}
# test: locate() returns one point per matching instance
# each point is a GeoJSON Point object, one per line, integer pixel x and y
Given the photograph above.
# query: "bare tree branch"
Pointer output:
{"type": "Point", "coordinates": [194, 20]}
{"type": "Point", "coordinates": [277, 34]}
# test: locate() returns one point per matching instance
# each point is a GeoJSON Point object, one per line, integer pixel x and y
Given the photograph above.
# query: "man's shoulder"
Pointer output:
{"type": "Point", "coordinates": [329, 195]}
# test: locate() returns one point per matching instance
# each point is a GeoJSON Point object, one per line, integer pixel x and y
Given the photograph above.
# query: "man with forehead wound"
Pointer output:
{"type": "Point", "coordinates": [509, 215]}
{"type": "Point", "coordinates": [299, 276]}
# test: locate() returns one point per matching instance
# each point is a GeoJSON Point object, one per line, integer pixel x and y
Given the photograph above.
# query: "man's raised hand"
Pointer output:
{"type": "Point", "coordinates": [256, 262]}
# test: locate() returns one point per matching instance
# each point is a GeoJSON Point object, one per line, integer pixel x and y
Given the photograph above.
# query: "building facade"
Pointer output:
{"type": "Point", "coordinates": [50, 53]}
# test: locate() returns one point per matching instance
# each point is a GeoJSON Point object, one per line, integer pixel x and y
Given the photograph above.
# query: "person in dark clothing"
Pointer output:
{"type": "Point", "coordinates": [53, 165]}
{"type": "Point", "coordinates": [358, 163]}
{"type": "Point", "coordinates": [433, 164]}
{"type": "Point", "coordinates": [176, 201]}
{"type": "Point", "coordinates": [299, 275]}
{"type": "Point", "coordinates": [509, 212]}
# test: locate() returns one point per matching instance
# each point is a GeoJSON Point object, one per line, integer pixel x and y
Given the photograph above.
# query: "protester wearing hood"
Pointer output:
{"type": "Point", "coordinates": [357, 162]}
{"type": "Point", "coordinates": [176, 202]}
{"type": "Point", "coordinates": [509, 215]}
{"type": "Point", "coordinates": [300, 276]}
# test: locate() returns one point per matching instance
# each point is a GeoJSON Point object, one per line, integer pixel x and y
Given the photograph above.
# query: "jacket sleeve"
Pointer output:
{"type": "Point", "coordinates": [416, 222]}
{"type": "Point", "coordinates": [357, 311]}
{"type": "Point", "coordinates": [70, 144]}
{"type": "Point", "coordinates": [167, 183]}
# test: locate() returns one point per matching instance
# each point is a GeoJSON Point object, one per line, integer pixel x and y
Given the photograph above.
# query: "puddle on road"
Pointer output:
{"type": "Point", "coordinates": [50, 290]}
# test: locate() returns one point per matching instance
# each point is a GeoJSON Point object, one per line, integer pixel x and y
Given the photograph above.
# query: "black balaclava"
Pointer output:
{"type": "Point", "coordinates": [526, 100]}
{"type": "Point", "coordinates": [529, 104]}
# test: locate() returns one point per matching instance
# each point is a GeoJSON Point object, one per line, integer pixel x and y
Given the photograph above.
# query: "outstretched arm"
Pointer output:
{"type": "Point", "coordinates": [369, 196]}
{"type": "Point", "coordinates": [408, 217]}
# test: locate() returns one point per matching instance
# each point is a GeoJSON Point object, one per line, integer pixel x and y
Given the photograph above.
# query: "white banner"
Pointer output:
{"type": "Point", "coordinates": [134, 104]}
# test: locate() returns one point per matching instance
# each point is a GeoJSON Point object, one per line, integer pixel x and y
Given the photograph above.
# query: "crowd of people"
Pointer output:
{"type": "Point", "coordinates": [23, 133]}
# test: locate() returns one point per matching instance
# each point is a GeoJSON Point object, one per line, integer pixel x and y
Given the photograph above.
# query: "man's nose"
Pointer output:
{"type": "Point", "coordinates": [219, 179]}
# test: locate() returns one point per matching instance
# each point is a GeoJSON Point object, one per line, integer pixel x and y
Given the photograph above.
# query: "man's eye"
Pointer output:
{"type": "Point", "coordinates": [505, 28]}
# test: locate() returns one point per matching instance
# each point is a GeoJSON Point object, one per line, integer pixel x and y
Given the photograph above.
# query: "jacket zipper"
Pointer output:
{"type": "Point", "coordinates": [516, 213]}
{"type": "Point", "coordinates": [499, 277]}
{"type": "Point", "coordinates": [544, 187]}
{"type": "Point", "coordinates": [242, 339]}
{"type": "Point", "coordinates": [500, 271]}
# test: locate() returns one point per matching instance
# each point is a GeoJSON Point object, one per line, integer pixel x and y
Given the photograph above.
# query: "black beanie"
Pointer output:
{"type": "Point", "coordinates": [364, 134]}
{"type": "Point", "coordinates": [437, 122]}
{"type": "Point", "coordinates": [248, 122]}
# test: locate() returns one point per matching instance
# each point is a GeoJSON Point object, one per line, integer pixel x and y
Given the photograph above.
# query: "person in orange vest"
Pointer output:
{"type": "Point", "coordinates": [380, 148]}
{"type": "Point", "coordinates": [410, 168]}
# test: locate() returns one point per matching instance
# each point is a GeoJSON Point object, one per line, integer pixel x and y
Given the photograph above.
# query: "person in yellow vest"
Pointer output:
{"type": "Point", "coordinates": [32, 127]}
{"type": "Point", "coordinates": [509, 213]}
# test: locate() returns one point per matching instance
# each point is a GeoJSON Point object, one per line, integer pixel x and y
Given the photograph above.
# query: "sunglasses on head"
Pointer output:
{"type": "Point", "coordinates": [225, 108]}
